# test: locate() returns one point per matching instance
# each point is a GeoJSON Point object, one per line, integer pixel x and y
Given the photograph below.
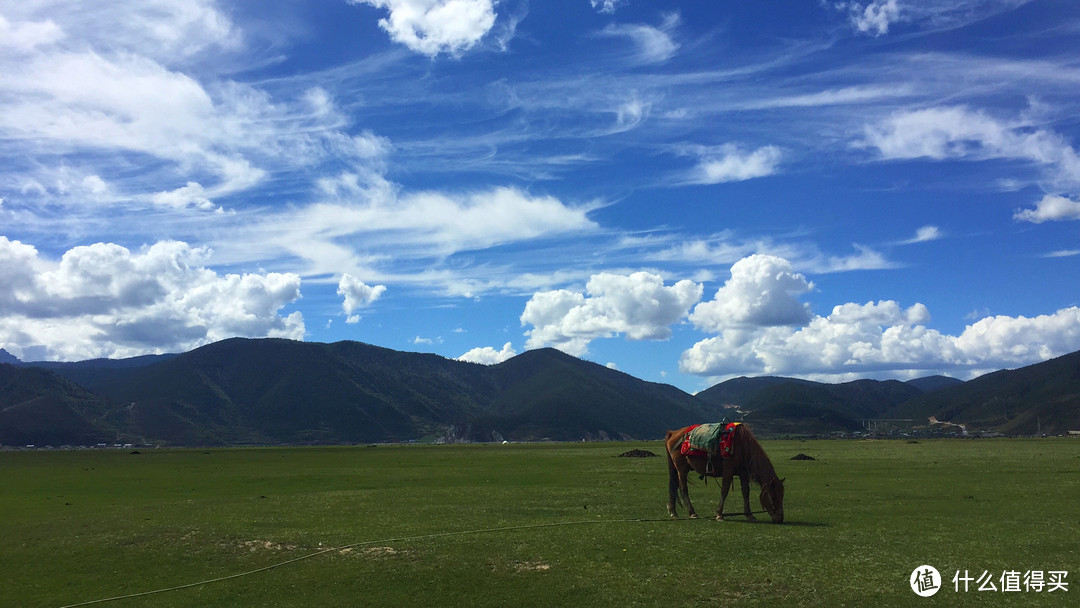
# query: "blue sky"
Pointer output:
{"type": "Point", "coordinates": [686, 191]}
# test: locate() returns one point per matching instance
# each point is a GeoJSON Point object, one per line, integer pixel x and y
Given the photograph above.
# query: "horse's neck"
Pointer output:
{"type": "Point", "coordinates": [765, 470]}
{"type": "Point", "coordinates": [761, 468]}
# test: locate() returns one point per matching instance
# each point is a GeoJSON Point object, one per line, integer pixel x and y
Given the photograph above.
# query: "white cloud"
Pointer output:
{"type": "Point", "coordinates": [1063, 253]}
{"type": "Point", "coordinates": [638, 305]}
{"type": "Point", "coordinates": [874, 17]}
{"type": "Point", "coordinates": [630, 114]}
{"type": "Point", "coordinates": [1003, 341]}
{"type": "Point", "coordinates": [762, 291]}
{"type": "Point", "coordinates": [958, 132]}
{"type": "Point", "coordinates": [431, 27]}
{"type": "Point", "coordinates": [487, 355]}
{"type": "Point", "coordinates": [153, 28]}
{"type": "Point", "coordinates": [103, 300]}
{"type": "Point", "coordinates": [27, 35]}
{"type": "Point", "coordinates": [652, 44]}
{"type": "Point", "coordinates": [128, 91]}
{"type": "Point", "coordinates": [357, 295]}
{"type": "Point", "coordinates": [877, 16]}
{"type": "Point", "coordinates": [1052, 208]}
{"type": "Point", "coordinates": [856, 338]}
{"type": "Point", "coordinates": [923, 235]}
{"type": "Point", "coordinates": [728, 163]}
{"type": "Point", "coordinates": [607, 6]}
{"type": "Point", "coordinates": [865, 259]}
{"type": "Point", "coordinates": [190, 195]}
{"type": "Point", "coordinates": [414, 226]}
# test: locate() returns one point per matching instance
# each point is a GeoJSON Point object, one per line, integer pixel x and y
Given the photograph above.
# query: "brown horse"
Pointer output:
{"type": "Point", "coordinates": [748, 461]}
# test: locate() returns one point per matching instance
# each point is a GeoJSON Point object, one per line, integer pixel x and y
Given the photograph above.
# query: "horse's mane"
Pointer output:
{"type": "Point", "coordinates": [757, 462]}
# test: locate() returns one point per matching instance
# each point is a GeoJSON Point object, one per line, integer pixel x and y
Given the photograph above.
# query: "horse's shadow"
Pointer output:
{"type": "Point", "coordinates": [735, 519]}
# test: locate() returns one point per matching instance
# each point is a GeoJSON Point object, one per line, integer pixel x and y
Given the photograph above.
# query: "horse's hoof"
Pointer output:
{"type": "Point", "coordinates": [719, 518]}
{"type": "Point", "coordinates": [751, 518]}
{"type": "Point", "coordinates": [693, 516]}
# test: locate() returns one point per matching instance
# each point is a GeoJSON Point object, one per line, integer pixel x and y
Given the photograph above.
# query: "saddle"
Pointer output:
{"type": "Point", "coordinates": [709, 439]}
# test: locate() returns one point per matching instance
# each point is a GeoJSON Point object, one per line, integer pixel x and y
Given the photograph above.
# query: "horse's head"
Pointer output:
{"type": "Point", "coordinates": [772, 498]}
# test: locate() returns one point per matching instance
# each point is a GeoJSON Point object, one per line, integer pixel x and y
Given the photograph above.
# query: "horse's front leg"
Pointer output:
{"type": "Point", "coordinates": [725, 486]}
{"type": "Point", "coordinates": [744, 481]}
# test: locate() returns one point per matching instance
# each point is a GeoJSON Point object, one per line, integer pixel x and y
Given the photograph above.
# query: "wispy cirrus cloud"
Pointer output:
{"type": "Point", "coordinates": [651, 44]}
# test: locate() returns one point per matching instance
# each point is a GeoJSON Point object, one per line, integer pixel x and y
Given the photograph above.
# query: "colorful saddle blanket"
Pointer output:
{"type": "Point", "coordinates": [704, 439]}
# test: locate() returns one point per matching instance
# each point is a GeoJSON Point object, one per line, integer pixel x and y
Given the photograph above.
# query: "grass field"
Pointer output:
{"type": "Point", "coordinates": [531, 525]}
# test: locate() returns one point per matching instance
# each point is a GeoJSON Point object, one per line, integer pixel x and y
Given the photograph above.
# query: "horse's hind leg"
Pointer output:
{"type": "Point", "coordinates": [677, 482]}
{"type": "Point", "coordinates": [673, 486]}
{"type": "Point", "coordinates": [683, 470]}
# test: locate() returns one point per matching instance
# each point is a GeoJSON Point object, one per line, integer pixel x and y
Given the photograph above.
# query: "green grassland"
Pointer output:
{"type": "Point", "coordinates": [530, 525]}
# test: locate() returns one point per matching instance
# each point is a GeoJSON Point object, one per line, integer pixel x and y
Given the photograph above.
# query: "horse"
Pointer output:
{"type": "Point", "coordinates": [748, 461]}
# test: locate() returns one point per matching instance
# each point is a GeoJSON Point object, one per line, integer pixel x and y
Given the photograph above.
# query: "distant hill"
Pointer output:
{"type": "Point", "coordinates": [929, 384]}
{"type": "Point", "coordinates": [817, 408]}
{"type": "Point", "coordinates": [547, 393]}
{"type": "Point", "coordinates": [739, 391]}
{"type": "Point", "coordinates": [1044, 397]}
{"type": "Point", "coordinates": [39, 406]}
{"type": "Point", "coordinates": [272, 391]}
{"type": "Point", "coordinates": [93, 373]}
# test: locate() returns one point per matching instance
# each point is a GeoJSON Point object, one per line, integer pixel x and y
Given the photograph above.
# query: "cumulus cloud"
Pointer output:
{"type": "Point", "coordinates": [1052, 208]}
{"type": "Point", "coordinates": [762, 291]}
{"type": "Point", "coordinates": [729, 163]}
{"type": "Point", "coordinates": [357, 295]}
{"type": "Point", "coordinates": [1003, 341]}
{"type": "Point", "coordinates": [874, 17]}
{"type": "Point", "coordinates": [638, 305]}
{"type": "Point", "coordinates": [104, 300]}
{"type": "Point", "coordinates": [431, 27]}
{"type": "Point", "coordinates": [959, 132]}
{"type": "Point", "coordinates": [875, 337]}
{"type": "Point", "coordinates": [487, 355]}
{"type": "Point", "coordinates": [854, 338]}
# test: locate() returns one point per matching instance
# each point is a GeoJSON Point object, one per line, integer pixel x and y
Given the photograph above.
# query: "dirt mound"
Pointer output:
{"type": "Point", "coordinates": [637, 454]}
{"type": "Point", "coordinates": [802, 457]}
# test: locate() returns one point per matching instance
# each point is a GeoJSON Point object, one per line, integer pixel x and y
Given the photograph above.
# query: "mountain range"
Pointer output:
{"type": "Point", "coordinates": [273, 391]}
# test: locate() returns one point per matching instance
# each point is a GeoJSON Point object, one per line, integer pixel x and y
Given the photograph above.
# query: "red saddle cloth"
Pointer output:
{"type": "Point", "coordinates": [724, 448]}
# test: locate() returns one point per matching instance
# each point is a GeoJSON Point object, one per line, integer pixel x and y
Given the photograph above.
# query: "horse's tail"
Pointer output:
{"type": "Point", "coordinates": [673, 473]}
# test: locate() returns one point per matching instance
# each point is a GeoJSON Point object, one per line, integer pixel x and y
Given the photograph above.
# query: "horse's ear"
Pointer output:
{"type": "Point", "coordinates": [783, 479]}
